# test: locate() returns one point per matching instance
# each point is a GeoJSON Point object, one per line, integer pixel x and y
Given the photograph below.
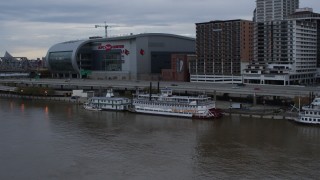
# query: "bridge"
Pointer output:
{"type": "Point", "coordinates": [17, 66]}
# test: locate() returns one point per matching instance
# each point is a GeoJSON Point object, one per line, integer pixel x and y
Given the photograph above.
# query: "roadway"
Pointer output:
{"type": "Point", "coordinates": [209, 88]}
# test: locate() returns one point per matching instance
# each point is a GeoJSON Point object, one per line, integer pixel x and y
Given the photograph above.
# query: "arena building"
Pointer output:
{"type": "Point", "coordinates": [132, 57]}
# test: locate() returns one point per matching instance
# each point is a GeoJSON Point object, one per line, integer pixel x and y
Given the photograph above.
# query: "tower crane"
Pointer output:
{"type": "Point", "coordinates": [105, 26]}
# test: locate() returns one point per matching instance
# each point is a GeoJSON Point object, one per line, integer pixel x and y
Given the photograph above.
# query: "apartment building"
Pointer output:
{"type": "Point", "coordinates": [273, 10]}
{"type": "Point", "coordinates": [285, 56]}
{"type": "Point", "coordinates": [307, 14]}
{"type": "Point", "coordinates": [285, 44]}
{"type": "Point", "coordinates": [222, 47]}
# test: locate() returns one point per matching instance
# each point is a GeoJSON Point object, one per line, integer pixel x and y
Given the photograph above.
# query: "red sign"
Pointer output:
{"type": "Point", "coordinates": [142, 52]}
{"type": "Point", "coordinates": [126, 52]}
{"type": "Point", "coordinates": [108, 47]}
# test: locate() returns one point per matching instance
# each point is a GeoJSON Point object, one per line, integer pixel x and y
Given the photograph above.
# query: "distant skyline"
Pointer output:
{"type": "Point", "coordinates": [30, 28]}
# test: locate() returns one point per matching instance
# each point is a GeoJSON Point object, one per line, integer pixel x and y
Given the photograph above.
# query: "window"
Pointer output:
{"type": "Point", "coordinates": [60, 61]}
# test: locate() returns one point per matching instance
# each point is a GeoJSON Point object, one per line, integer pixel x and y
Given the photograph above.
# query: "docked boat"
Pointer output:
{"type": "Point", "coordinates": [310, 114]}
{"type": "Point", "coordinates": [171, 105]}
{"type": "Point", "coordinates": [109, 102]}
{"type": "Point", "coordinates": [91, 107]}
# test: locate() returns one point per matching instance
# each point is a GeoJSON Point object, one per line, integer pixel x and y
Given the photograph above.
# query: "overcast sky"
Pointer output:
{"type": "Point", "coordinates": [30, 27]}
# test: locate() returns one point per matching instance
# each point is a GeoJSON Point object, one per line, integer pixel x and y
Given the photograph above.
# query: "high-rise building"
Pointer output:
{"type": "Point", "coordinates": [271, 10]}
{"type": "Point", "coordinates": [285, 45]}
{"type": "Point", "coordinates": [307, 14]}
{"type": "Point", "coordinates": [221, 49]}
{"type": "Point", "coordinates": [269, 28]}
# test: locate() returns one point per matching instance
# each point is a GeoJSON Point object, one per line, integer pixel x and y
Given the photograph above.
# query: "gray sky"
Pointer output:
{"type": "Point", "coordinates": [30, 27]}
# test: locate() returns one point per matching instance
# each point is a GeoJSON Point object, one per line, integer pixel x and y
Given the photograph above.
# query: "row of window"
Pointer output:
{"type": "Point", "coordinates": [157, 110]}
{"type": "Point", "coordinates": [311, 119]}
{"type": "Point", "coordinates": [166, 105]}
{"type": "Point", "coordinates": [110, 102]}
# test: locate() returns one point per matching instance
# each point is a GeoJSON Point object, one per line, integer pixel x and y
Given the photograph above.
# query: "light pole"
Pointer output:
{"type": "Point", "coordinates": [230, 107]}
{"type": "Point", "coordinates": [80, 66]}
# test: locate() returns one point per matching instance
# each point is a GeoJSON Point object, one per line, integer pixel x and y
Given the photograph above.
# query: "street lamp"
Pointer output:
{"type": "Point", "coordinates": [230, 107]}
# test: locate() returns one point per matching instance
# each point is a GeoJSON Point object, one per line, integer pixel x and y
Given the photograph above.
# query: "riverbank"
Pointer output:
{"type": "Point", "coordinates": [247, 110]}
{"type": "Point", "coordinates": [257, 111]}
{"type": "Point", "coordinates": [45, 98]}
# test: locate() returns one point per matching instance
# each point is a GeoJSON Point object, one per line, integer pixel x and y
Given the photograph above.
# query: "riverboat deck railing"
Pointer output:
{"type": "Point", "coordinates": [173, 103]}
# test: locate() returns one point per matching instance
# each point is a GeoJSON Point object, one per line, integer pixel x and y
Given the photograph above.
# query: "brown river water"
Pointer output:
{"type": "Point", "coordinates": [55, 140]}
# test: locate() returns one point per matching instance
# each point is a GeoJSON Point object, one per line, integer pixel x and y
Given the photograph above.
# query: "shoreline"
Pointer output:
{"type": "Point", "coordinates": [263, 112]}
{"type": "Point", "coordinates": [43, 98]}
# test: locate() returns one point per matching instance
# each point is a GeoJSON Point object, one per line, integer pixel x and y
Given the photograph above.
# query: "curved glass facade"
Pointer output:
{"type": "Point", "coordinates": [61, 61]}
{"type": "Point", "coordinates": [107, 60]}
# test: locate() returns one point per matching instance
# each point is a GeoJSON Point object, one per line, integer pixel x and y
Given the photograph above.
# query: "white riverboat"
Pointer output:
{"type": "Point", "coordinates": [91, 107]}
{"type": "Point", "coordinates": [109, 102]}
{"type": "Point", "coordinates": [183, 106]}
{"type": "Point", "coordinates": [310, 114]}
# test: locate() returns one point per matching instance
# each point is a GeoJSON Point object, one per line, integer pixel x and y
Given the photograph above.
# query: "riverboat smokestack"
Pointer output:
{"type": "Point", "coordinates": [158, 87]}
{"type": "Point", "coordinates": [150, 89]}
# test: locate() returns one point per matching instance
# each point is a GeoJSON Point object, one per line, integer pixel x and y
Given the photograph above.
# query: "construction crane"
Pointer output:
{"type": "Point", "coordinates": [105, 26]}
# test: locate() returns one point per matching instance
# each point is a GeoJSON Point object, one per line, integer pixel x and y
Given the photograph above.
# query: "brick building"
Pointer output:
{"type": "Point", "coordinates": [222, 47]}
{"type": "Point", "coordinates": [179, 68]}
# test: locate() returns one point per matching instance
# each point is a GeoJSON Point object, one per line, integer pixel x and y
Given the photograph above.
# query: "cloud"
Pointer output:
{"type": "Point", "coordinates": [33, 26]}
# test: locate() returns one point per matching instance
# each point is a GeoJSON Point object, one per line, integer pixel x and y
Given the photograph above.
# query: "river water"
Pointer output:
{"type": "Point", "coordinates": [55, 140]}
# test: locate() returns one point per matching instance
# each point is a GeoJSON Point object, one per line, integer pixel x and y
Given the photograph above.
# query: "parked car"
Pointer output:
{"type": "Point", "coordinates": [75, 97]}
{"type": "Point", "coordinates": [257, 89]}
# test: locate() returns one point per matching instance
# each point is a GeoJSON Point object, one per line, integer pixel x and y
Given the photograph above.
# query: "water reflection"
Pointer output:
{"type": "Point", "coordinates": [77, 144]}
{"type": "Point", "coordinates": [240, 145]}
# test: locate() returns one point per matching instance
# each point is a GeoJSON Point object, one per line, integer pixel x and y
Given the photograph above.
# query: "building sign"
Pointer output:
{"type": "Point", "coordinates": [142, 52]}
{"type": "Point", "coordinates": [109, 47]}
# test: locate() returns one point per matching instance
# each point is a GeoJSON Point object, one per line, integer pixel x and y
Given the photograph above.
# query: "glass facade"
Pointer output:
{"type": "Point", "coordinates": [60, 61]}
{"type": "Point", "coordinates": [107, 60]}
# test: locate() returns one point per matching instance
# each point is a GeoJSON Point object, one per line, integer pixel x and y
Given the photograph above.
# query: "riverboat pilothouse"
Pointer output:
{"type": "Point", "coordinates": [183, 106]}
{"type": "Point", "coordinates": [310, 114]}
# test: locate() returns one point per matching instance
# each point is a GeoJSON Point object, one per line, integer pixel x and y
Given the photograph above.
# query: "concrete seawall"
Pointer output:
{"type": "Point", "coordinates": [281, 116]}
{"type": "Point", "coordinates": [45, 98]}
{"type": "Point", "coordinates": [257, 111]}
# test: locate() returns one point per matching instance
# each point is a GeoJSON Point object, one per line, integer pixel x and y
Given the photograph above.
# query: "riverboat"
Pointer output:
{"type": "Point", "coordinates": [91, 107]}
{"type": "Point", "coordinates": [172, 105]}
{"type": "Point", "coordinates": [109, 102]}
{"type": "Point", "coordinates": [310, 114]}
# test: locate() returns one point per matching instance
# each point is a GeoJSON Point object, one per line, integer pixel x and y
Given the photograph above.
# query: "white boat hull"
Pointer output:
{"type": "Point", "coordinates": [163, 113]}
{"type": "Point", "coordinates": [90, 108]}
{"type": "Point", "coordinates": [307, 120]}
